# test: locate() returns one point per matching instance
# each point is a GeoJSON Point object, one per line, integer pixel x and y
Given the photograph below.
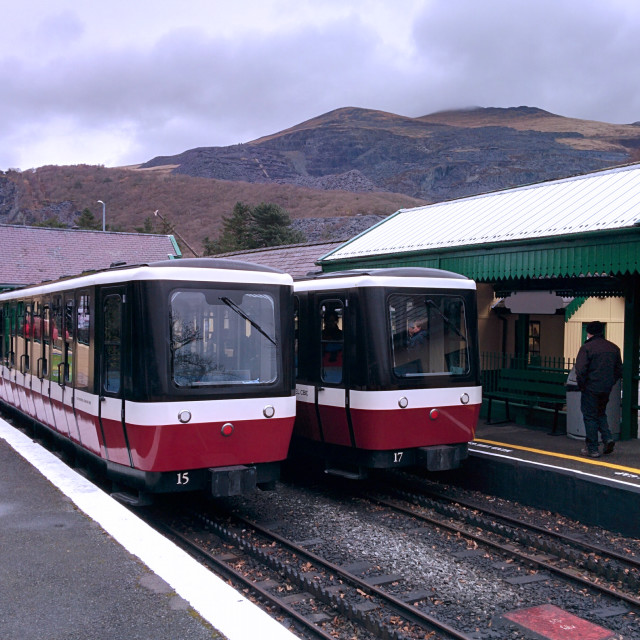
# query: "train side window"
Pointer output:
{"type": "Point", "coordinates": [57, 340]}
{"type": "Point", "coordinates": [46, 339]}
{"type": "Point", "coordinates": [27, 333]}
{"type": "Point", "coordinates": [12, 335]}
{"type": "Point", "coordinates": [296, 331]}
{"type": "Point", "coordinates": [36, 337]}
{"type": "Point", "coordinates": [20, 359]}
{"type": "Point", "coordinates": [83, 320]}
{"type": "Point", "coordinates": [2, 335]}
{"type": "Point", "coordinates": [112, 343]}
{"type": "Point", "coordinates": [69, 331]}
{"type": "Point", "coordinates": [332, 341]}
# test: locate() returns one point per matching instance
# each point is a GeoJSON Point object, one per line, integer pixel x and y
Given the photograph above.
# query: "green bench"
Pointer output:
{"type": "Point", "coordinates": [528, 387]}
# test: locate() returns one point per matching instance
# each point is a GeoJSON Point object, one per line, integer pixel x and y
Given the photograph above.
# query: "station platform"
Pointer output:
{"type": "Point", "coordinates": [77, 565]}
{"type": "Point", "coordinates": [547, 471]}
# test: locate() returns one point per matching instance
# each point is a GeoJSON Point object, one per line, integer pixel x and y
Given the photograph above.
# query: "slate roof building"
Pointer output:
{"type": "Point", "coordinates": [297, 259]}
{"type": "Point", "coordinates": [532, 247]}
{"type": "Point", "coordinates": [33, 254]}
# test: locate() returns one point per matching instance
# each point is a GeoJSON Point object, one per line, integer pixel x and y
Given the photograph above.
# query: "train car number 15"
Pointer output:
{"type": "Point", "coordinates": [183, 478]}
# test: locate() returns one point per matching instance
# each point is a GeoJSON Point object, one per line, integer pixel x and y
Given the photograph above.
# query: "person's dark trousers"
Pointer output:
{"type": "Point", "coordinates": [594, 412]}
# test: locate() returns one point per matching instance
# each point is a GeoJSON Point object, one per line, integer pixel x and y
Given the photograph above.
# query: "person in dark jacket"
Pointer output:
{"type": "Point", "coordinates": [418, 334]}
{"type": "Point", "coordinates": [598, 368]}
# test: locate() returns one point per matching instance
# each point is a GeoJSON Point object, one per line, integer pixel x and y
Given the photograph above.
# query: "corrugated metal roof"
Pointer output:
{"type": "Point", "coordinates": [593, 202]}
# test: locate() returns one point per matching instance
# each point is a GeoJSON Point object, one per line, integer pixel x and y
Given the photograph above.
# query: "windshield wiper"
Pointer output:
{"type": "Point", "coordinates": [232, 305]}
{"type": "Point", "coordinates": [453, 326]}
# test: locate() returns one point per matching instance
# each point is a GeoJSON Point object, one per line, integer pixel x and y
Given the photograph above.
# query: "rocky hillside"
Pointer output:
{"type": "Point", "coordinates": [437, 157]}
{"type": "Point", "coordinates": [335, 174]}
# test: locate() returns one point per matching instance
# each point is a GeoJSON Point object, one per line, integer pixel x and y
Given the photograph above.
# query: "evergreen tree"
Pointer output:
{"type": "Point", "coordinates": [266, 225]}
{"type": "Point", "coordinates": [211, 247]}
{"type": "Point", "coordinates": [51, 223]}
{"type": "Point", "coordinates": [148, 226]}
{"type": "Point", "coordinates": [236, 228]}
{"type": "Point", "coordinates": [271, 227]}
{"type": "Point", "coordinates": [88, 221]}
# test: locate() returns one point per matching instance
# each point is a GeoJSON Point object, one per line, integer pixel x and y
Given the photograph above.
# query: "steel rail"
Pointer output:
{"type": "Point", "coordinates": [229, 572]}
{"type": "Point", "coordinates": [570, 575]}
{"type": "Point", "coordinates": [587, 546]}
{"type": "Point", "coordinates": [406, 610]}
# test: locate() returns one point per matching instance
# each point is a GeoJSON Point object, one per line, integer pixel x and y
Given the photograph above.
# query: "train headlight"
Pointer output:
{"type": "Point", "coordinates": [227, 429]}
{"type": "Point", "coordinates": [434, 414]}
{"type": "Point", "coordinates": [403, 403]}
{"type": "Point", "coordinates": [464, 398]}
{"type": "Point", "coordinates": [184, 416]}
{"type": "Point", "coordinates": [268, 411]}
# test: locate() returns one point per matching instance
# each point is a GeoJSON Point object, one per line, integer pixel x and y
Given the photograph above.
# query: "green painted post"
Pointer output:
{"type": "Point", "coordinates": [631, 362]}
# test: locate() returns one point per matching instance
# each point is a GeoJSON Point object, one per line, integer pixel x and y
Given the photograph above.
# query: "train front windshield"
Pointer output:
{"type": "Point", "coordinates": [223, 338]}
{"type": "Point", "coordinates": [428, 335]}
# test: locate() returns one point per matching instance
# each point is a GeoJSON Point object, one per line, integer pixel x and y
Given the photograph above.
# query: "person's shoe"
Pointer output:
{"type": "Point", "coordinates": [608, 447]}
{"type": "Point", "coordinates": [590, 454]}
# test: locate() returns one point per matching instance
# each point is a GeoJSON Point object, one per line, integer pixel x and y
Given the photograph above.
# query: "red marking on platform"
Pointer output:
{"type": "Point", "coordinates": [555, 624]}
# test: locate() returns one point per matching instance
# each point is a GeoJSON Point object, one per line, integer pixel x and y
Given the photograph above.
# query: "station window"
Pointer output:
{"type": "Point", "coordinates": [533, 339]}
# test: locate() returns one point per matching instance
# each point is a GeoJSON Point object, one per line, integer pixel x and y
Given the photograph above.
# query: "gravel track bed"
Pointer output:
{"type": "Point", "coordinates": [552, 521]}
{"type": "Point", "coordinates": [467, 584]}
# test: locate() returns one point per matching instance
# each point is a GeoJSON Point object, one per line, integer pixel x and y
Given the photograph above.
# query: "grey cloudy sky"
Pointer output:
{"type": "Point", "coordinates": [120, 82]}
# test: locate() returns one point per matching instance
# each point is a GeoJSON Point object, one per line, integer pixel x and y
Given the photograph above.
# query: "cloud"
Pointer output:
{"type": "Point", "coordinates": [83, 84]}
{"type": "Point", "coordinates": [571, 57]}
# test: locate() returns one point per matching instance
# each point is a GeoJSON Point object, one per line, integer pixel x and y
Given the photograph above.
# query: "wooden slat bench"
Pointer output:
{"type": "Point", "coordinates": [529, 387]}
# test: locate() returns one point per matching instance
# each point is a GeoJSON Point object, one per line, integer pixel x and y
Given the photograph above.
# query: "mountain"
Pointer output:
{"type": "Point", "coordinates": [335, 174]}
{"type": "Point", "coordinates": [440, 156]}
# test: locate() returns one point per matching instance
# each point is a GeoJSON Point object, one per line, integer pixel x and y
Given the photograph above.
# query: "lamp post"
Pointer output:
{"type": "Point", "coordinates": [103, 216]}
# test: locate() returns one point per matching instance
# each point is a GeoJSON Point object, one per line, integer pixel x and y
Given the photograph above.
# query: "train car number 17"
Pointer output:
{"type": "Point", "coordinates": [397, 456]}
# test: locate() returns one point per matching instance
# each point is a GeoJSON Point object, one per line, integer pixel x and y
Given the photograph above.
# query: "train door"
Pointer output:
{"type": "Point", "coordinates": [39, 360]}
{"type": "Point", "coordinates": [27, 359]}
{"type": "Point", "coordinates": [331, 392]}
{"type": "Point", "coordinates": [47, 363]}
{"type": "Point", "coordinates": [57, 390]}
{"type": "Point", "coordinates": [4, 348]}
{"type": "Point", "coordinates": [68, 368]}
{"type": "Point", "coordinates": [86, 403]}
{"type": "Point", "coordinates": [21, 359]}
{"type": "Point", "coordinates": [111, 345]}
{"type": "Point", "coordinates": [11, 324]}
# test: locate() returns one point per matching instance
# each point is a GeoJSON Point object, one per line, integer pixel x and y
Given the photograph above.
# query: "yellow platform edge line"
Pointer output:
{"type": "Point", "coordinates": [560, 455]}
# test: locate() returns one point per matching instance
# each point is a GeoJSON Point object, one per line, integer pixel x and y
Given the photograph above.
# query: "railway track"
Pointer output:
{"type": "Point", "coordinates": [319, 598]}
{"type": "Point", "coordinates": [422, 564]}
{"type": "Point", "coordinates": [608, 571]}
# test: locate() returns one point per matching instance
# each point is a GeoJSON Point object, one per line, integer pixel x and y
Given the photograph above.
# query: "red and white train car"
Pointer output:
{"type": "Point", "coordinates": [173, 376]}
{"type": "Point", "coordinates": [387, 369]}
